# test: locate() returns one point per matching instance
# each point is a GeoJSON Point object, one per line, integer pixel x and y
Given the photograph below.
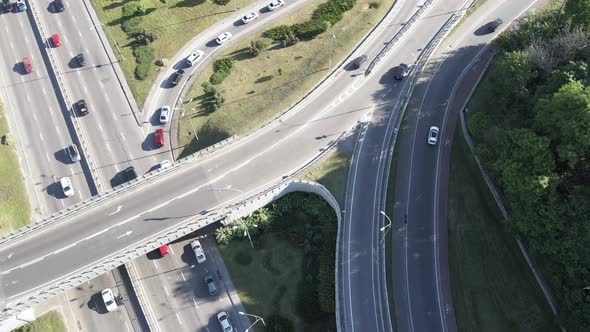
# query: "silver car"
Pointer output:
{"type": "Point", "coordinates": [223, 319]}
{"type": "Point", "coordinates": [73, 153]}
{"type": "Point", "coordinates": [433, 135]}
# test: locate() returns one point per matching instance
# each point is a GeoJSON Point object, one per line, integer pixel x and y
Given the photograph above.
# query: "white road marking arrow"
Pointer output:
{"type": "Point", "coordinates": [124, 234]}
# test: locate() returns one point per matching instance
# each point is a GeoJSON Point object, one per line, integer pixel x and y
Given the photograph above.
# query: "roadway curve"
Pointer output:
{"type": "Point", "coordinates": [420, 263]}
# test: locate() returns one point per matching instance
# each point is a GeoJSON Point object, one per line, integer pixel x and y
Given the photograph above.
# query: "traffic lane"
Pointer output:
{"type": "Point", "coordinates": [86, 304]}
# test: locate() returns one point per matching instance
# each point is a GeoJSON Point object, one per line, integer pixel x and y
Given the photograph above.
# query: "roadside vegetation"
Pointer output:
{"type": "Point", "coordinates": [50, 322]}
{"type": "Point", "coordinates": [288, 277]}
{"type": "Point", "coordinates": [274, 69]}
{"type": "Point", "coordinates": [531, 120]}
{"type": "Point", "coordinates": [15, 210]}
{"type": "Point", "coordinates": [332, 173]}
{"type": "Point", "coordinates": [148, 31]}
{"type": "Point", "coordinates": [492, 287]}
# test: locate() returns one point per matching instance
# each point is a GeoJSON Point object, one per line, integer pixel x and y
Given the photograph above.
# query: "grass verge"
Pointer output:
{"type": "Point", "coordinates": [15, 210]}
{"type": "Point", "coordinates": [332, 173]}
{"type": "Point", "coordinates": [176, 22]}
{"type": "Point", "coordinates": [50, 322]}
{"type": "Point", "coordinates": [492, 286]}
{"type": "Point", "coordinates": [261, 87]}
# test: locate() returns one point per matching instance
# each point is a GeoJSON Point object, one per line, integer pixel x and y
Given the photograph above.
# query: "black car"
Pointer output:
{"type": "Point", "coordinates": [492, 26]}
{"type": "Point", "coordinates": [7, 6]}
{"type": "Point", "coordinates": [81, 107]}
{"type": "Point", "coordinates": [58, 5]}
{"type": "Point", "coordinates": [401, 71]}
{"type": "Point", "coordinates": [81, 60]}
{"type": "Point", "coordinates": [356, 64]}
{"type": "Point", "coordinates": [129, 174]}
{"type": "Point", "coordinates": [177, 77]}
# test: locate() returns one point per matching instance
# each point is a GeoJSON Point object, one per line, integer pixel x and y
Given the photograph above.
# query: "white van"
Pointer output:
{"type": "Point", "coordinates": [194, 57]}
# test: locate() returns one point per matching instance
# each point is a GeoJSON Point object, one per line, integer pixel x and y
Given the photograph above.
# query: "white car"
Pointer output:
{"type": "Point", "coordinates": [165, 163]}
{"type": "Point", "coordinates": [194, 57]}
{"type": "Point", "coordinates": [433, 135]}
{"type": "Point", "coordinates": [223, 38]}
{"type": "Point", "coordinates": [109, 299]}
{"type": "Point", "coordinates": [66, 186]}
{"type": "Point", "coordinates": [199, 253]}
{"type": "Point", "coordinates": [275, 4]}
{"type": "Point", "coordinates": [223, 319]}
{"type": "Point", "coordinates": [251, 16]}
{"type": "Point", "coordinates": [164, 114]}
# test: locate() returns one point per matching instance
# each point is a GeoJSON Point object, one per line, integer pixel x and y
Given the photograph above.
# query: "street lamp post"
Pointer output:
{"type": "Point", "coordinates": [113, 39]}
{"type": "Point", "coordinates": [386, 227]}
{"type": "Point", "coordinates": [229, 188]}
{"type": "Point", "coordinates": [258, 318]}
{"type": "Point", "coordinates": [190, 121]}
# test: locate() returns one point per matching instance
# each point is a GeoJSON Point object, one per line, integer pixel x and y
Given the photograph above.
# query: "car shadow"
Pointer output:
{"type": "Point", "coordinates": [118, 179]}
{"type": "Point", "coordinates": [212, 43]}
{"type": "Point", "coordinates": [54, 189]}
{"type": "Point", "coordinates": [154, 254]}
{"type": "Point", "coordinates": [19, 68]}
{"type": "Point", "coordinates": [387, 78]}
{"type": "Point", "coordinates": [51, 8]}
{"type": "Point", "coordinates": [148, 143]}
{"type": "Point", "coordinates": [188, 255]}
{"type": "Point", "coordinates": [155, 118]}
{"type": "Point", "coordinates": [264, 10]}
{"type": "Point", "coordinates": [239, 23]}
{"type": "Point", "coordinates": [181, 64]}
{"type": "Point", "coordinates": [62, 156]}
{"type": "Point", "coordinates": [96, 304]}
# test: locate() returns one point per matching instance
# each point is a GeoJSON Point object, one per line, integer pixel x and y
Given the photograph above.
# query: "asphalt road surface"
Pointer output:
{"type": "Point", "coordinates": [420, 263]}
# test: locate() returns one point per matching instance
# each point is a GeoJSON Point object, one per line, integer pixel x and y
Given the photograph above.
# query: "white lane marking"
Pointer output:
{"type": "Point", "coordinates": [58, 131]}
{"type": "Point", "coordinates": [166, 290]}
{"type": "Point", "coordinates": [155, 264]}
{"type": "Point", "coordinates": [41, 136]}
{"type": "Point", "coordinates": [34, 117]}
{"type": "Point", "coordinates": [117, 211]}
{"type": "Point", "coordinates": [108, 147]}
{"type": "Point", "coordinates": [65, 248]}
{"type": "Point", "coordinates": [44, 91]}
{"type": "Point", "coordinates": [130, 156]}
{"type": "Point", "coordinates": [127, 327]}
{"type": "Point", "coordinates": [99, 127]}
{"type": "Point", "coordinates": [178, 317]}
{"type": "Point", "coordinates": [124, 234]}
{"type": "Point", "coordinates": [182, 275]}
{"type": "Point", "coordinates": [47, 156]}
{"type": "Point", "coordinates": [10, 255]}
{"type": "Point", "coordinates": [31, 262]}
{"type": "Point", "coordinates": [195, 303]}
{"type": "Point", "coordinates": [73, 18]}
{"type": "Point", "coordinates": [28, 98]}
{"type": "Point", "coordinates": [172, 251]}
{"type": "Point", "coordinates": [113, 115]}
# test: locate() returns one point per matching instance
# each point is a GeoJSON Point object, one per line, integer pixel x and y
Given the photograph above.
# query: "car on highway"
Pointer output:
{"type": "Point", "coordinates": [492, 26]}
{"type": "Point", "coordinates": [165, 163]}
{"type": "Point", "coordinates": [21, 5]}
{"type": "Point", "coordinates": [163, 250]}
{"type": "Point", "coordinates": [164, 114]}
{"type": "Point", "coordinates": [194, 57]}
{"type": "Point", "coordinates": [224, 322]}
{"type": "Point", "coordinates": [177, 77]}
{"type": "Point", "coordinates": [433, 135]}
{"type": "Point", "coordinates": [356, 63]}
{"type": "Point", "coordinates": [275, 4]}
{"type": "Point", "coordinates": [73, 153]}
{"type": "Point", "coordinates": [7, 6]}
{"type": "Point", "coordinates": [58, 5]}
{"type": "Point", "coordinates": [81, 107]}
{"type": "Point", "coordinates": [199, 253]}
{"type": "Point", "coordinates": [27, 64]}
{"type": "Point", "coordinates": [159, 138]}
{"type": "Point", "coordinates": [81, 60]}
{"type": "Point", "coordinates": [211, 287]}
{"type": "Point", "coordinates": [66, 186]}
{"type": "Point", "coordinates": [109, 299]}
{"type": "Point", "coordinates": [223, 38]}
{"type": "Point", "coordinates": [251, 16]}
{"type": "Point", "coordinates": [129, 174]}
{"type": "Point", "coordinates": [56, 40]}
{"type": "Point", "coordinates": [401, 71]}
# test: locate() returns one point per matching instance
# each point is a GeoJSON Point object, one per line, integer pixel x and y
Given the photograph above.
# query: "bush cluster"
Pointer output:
{"type": "Point", "coordinates": [213, 97]}
{"type": "Point", "coordinates": [144, 56]}
{"type": "Point", "coordinates": [221, 69]}
{"type": "Point", "coordinates": [221, 2]}
{"type": "Point", "coordinates": [325, 16]}
{"type": "Point", "coordinates": [259, 46]}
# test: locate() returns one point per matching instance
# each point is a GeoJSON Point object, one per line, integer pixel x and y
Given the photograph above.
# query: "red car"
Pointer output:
{"type": "Point", "coordinates": [56, 40]}
{"type": "Point", "coordinates": [164, 250]}
{"type": "Point", "coordinates": [27, 64]}
{"type": "Point", "coordinates": [159, 136]}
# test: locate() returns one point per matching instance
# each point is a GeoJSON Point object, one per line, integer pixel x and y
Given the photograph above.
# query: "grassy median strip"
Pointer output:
{"type": "Point", "coordinates": [14, 205]}
{"type": "Point", "coordinates": [492, 286]}
{"type": "Point", "coordinates": [258, 88]}
{"type": "Point", "coordinates": [50, 322]}
{"type": "Point", "coordinates": [174, 21]}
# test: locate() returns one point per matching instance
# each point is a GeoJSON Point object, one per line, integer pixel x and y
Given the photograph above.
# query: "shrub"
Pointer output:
{"type": "Point", "coordinates": [147, 37]}
{"type": "Point", "coordinates": [278, 323]}
{"type": "Point", "coordinates": [262, 44]}
{"type": "Point", "coordinates": [277, 33]}
{"type": "Point", "coordinates": [132, 9]}
{"type": "Point", "coordinates": [310, 29]}
{"type": "Point", "coordinates": [222, 68]}
{"type": "Point", "coordinates": [221, 2]}
{"type": "Point", "coordinates": [142, 70]}
{"type": "Point", "coordinates": [131, 25]}
{"type": "Point", "coordinates": [144, 54]}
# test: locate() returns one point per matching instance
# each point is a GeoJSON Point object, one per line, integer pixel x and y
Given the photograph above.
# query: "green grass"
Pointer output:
{"type": "Point", "coordinates": [332, 172]}
{"type": "Point", "coordinates": [277, 267]}
{"type": "Point", "coordinates": [492, 286]}
{"type": "Point", "coordinates": [259, 88]}
{"type": "Point", "coordinates": [177, 21]}
{"type": "Point", "coordinates": [15, 210]}
{"type": "Point", "coordinates": [50, 322]}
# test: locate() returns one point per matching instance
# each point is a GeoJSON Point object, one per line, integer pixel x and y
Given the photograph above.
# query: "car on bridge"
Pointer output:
{"type": "Point", "coordinates": [81, 107]}
{"type": "Point", "coordinates": [73, 153]}
{"type": "Point", "coordinates": [81, 60]}
{"type": "Point", "coordinates": [66, 186]}
{"type": "Point", "coordinates": [401, 71]}
{"type": "Point", "coordinates": [27, 64]}
{"type": "Point", "coordinates": [164, 114]}
{"type": "Point", "coordinates": [164, 250]}
{"type": "Point", "coordinates": [21, 5]}
{"type": "Point", "coordinates": [199, 253]}
{"type": "Point", "coordinates": [56, 40]}
{"type": "Point", "coordinates": [159, 138]}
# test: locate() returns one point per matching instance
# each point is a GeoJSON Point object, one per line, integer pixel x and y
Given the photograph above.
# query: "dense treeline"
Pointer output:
{"type": "Point", "coordinates": [314, 232]}
{"type": "Point", "coordinates": [534, 138]}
